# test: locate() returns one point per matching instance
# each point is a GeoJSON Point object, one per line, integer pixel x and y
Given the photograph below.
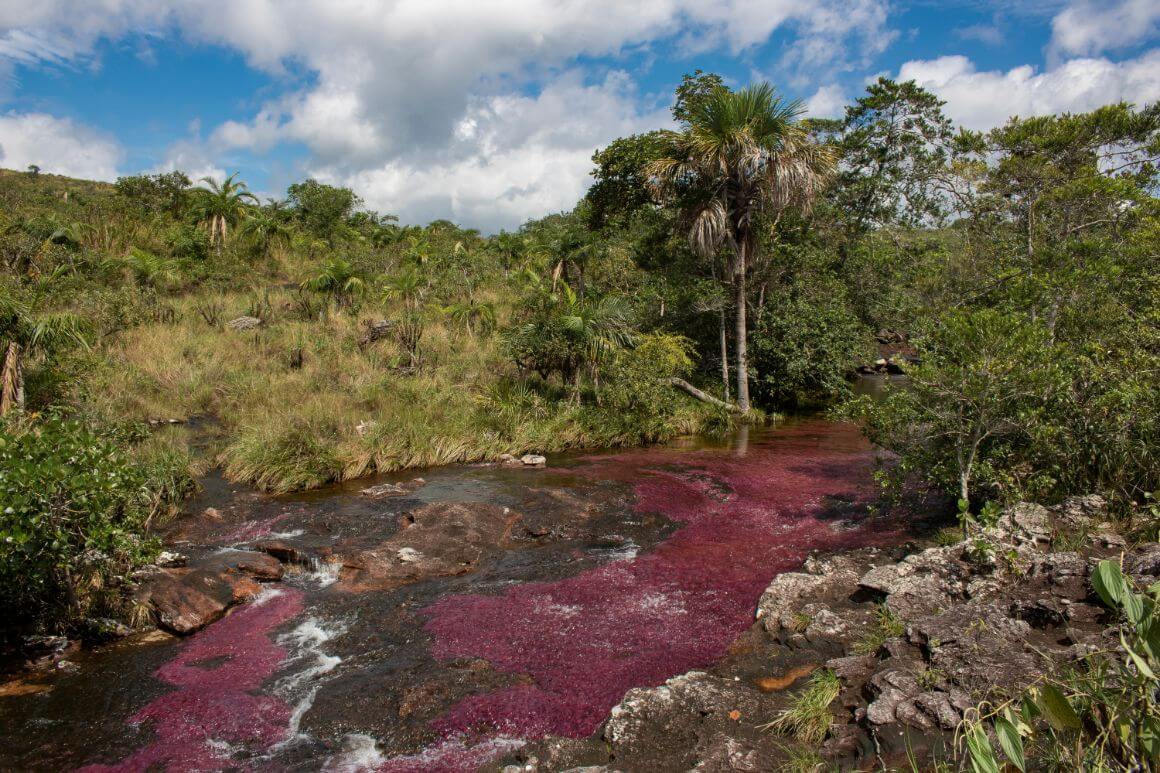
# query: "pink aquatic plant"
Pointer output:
{"type": "Point", "coordinates": [586, 640]}
{"type": "Point", "coordinates": [214, 709]}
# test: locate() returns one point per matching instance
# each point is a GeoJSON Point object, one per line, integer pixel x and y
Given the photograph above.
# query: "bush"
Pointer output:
{"type": "Point", "coordinates": [803, 349]}
{"type": "Point", "coordinates": [636, 381]}
{"type": "Point", "coordinates": [75, 511]}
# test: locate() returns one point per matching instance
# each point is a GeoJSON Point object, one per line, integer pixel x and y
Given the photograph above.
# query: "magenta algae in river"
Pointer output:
{"type": "Point", "coordinates": [214, 708]}
{"type": "Point", "coordinates": [586, 640]}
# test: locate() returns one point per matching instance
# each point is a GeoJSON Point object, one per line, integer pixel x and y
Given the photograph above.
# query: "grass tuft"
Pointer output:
{"type": "Point", "coordinates": [808, 717]}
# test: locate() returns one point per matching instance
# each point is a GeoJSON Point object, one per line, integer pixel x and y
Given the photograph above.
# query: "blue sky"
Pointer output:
{"type": "Point", "coordinates": [487, 113]}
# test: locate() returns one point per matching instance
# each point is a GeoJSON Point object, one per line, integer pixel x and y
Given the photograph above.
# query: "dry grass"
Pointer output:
{"type": "Point", "coordinates": [346, 412]}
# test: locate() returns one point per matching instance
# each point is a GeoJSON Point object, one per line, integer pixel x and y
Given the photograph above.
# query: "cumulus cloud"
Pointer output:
{"type": "Point", "coordinates": [57, 145]}
{"type": "Point", "coordinates": [984, 99]}
{"type": "Point", "coordinates": [1088, 27]}
{"type": "Point", "coordinates": [398, 91]}
{"type": "Point", "coordinates": [827, 102]}
{"type": "Point", "coordinates": [513, 156]}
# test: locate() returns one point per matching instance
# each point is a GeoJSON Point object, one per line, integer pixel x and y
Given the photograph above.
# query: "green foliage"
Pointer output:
{"type": "Point", "coordinates": [808, 716]}
{"type": "Point", "coordinates": [985, 378]}
{"type": "Point", "coordinates": [75, 507]}
{"type": "Point", "coordinates": [636, 391]}
{"type": "Point", "coordinates": [894, 144]}
{"type": "Point", "coordinates": [805, 348]}
{"type": "Point", "coordinates": [1101, 715]}
{"type": "Point", "coordinates": [156, 193]}
{"type": "Point", "coordinates": [322, 209]}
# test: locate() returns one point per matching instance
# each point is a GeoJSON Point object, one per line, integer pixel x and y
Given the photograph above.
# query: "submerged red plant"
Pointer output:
{"type": "Point", "coordinates": [214, 709]}
{"type": "Point", "coordinates": [587, 639]}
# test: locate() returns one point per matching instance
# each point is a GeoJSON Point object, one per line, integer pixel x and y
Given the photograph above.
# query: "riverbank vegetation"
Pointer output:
{"type": "Point", "coordinates": [751, 253]}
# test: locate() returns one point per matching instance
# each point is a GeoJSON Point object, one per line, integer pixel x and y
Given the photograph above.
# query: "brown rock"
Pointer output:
{"type": "Point", "coordinates": [436, 540]}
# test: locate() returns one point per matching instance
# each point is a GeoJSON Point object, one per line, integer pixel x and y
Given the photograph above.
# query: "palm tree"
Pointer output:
{"type": "Point", "coordinates": [222, 205]}
{"type": "Point", "coordinates": [742, 156]}
{"type": "Point", "coordinates": [408, 287]}
{"type": "Point", "coordinates": [338, 279]}
{"type": "Point", "coordinates": [25, 334]}
{"type": "Point", "coordinates": [266, 228]}
{"type": "Point", "coordinates": [473, 314]}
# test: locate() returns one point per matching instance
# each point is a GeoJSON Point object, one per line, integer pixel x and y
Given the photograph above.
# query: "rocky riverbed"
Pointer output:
{"type": "Point", "coordinates": [647, 610]}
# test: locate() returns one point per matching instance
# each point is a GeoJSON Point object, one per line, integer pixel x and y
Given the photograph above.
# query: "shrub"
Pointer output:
{"type": "Point", "coordinates": [75, 508]}
{"type": "Point", "coordinates": [803, 350]}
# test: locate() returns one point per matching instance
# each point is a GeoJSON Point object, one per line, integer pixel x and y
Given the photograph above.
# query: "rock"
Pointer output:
{"type": "Point", "coordinates": [1026, 522]}
{"type": "Point", "coordinates": [283, 551]}
{"type": "Point", "coordinates": [384, 490]}
{"type": "Point", "coordinates": [375, 330]}
{"type": "Point", "coordinates": [1079, 512]}
{"type": "Point", "coordinates": [185, 600]}
{"type": "Point", "coordinates": [920, 583]}
{"type": "Point", "coordinates": [244, 323]}
{"type": "Point", "coordinates": [1143, 563]}
{"type": "Point", "coordinates": [435, 540]}
{"type": "Point", "coordinates": [211, 513]}
{"type": "Point", "coordinates": [260, 566]}
{"type": "Point", "coordinates": [900, 698]}
{"type": "Point", "coordinates": [694, 721]}
{"type": "Point", "coordinates": [533, 460]}
{"type": "Point", "coordinates": [167, 559]}
{"type": "Point", "coordinates": [977, 646]}
{"type": "Point", "coordinates": [852, 668]}
{"type": "Point", "coordinates": [783, 604]}
{"type": "Point", "coordinates": [183, 607]}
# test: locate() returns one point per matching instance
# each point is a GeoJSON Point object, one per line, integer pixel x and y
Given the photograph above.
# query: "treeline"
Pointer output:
{"type": "Point", "coordinates": [1021, 262]}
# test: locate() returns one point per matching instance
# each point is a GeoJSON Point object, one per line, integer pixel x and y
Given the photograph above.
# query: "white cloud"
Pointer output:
{"type": "Point", "coordinates": [1088, 27]}
{"type": "Point", "coordinates": [57, 145]}
{"type": "Point", "coordinates": [827, 102]}
{"type": "Point", "coordinates": [513, 157]}
{"type": "Point", "coordinates": [394, 85]}
{"type": "Point", "coordinates": [984, 99]}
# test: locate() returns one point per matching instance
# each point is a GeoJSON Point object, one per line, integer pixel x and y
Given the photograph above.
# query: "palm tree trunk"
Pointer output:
{"type": "Point", "coordinates": [724, 351]}
{"type": "Point", "coordinates": [742, 334]}
{"type": "Point", "coordinates": [11, 380]}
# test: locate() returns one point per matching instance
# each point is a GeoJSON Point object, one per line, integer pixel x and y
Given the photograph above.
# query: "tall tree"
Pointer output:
{"type": "Point", "coordinates": [741, 161]}
{"type": "Point", "coordinates": [894, 144]}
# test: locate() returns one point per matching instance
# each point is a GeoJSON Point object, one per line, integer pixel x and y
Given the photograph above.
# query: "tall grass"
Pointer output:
{"type": "Point", "coordinates": [346, 411]}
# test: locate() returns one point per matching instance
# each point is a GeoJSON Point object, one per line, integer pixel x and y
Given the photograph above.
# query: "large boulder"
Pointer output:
{"type": "Point", "coordinates": [695, 721]}
{"type": "Point", "coordinates": [187, 599]}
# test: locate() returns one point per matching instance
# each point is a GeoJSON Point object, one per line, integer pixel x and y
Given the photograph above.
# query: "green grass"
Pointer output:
{"type": "Point", "coordinates": [808, 717]}
{"type": "Point", "coordinates": [885, 625]}
{"type": "Point", "coordinates": [347, 411]}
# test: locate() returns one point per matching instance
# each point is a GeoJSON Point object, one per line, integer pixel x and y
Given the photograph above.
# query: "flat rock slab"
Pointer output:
{"type": "Point", "coordinates": [436, 540]}
{"type": "Point", "coordinates": [384, 490]}
{"type": "Point", "coordinates": [187, 599]}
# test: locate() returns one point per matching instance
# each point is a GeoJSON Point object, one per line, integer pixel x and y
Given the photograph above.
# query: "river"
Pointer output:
{"type": "Point", "coordinates": [554, 592]}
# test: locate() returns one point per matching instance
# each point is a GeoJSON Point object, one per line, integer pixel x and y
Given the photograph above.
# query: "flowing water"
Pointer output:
{"type": "Point", "coordinates": [615, 570]}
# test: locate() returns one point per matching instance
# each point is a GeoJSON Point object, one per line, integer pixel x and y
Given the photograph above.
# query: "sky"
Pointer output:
{"type": "Point", "coordinates": [487, 112]}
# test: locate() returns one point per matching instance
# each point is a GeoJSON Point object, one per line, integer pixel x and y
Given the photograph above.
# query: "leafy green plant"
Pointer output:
{"type": "Point", "coordinates": [75, 511]}
{"type": "Point", "coordinates": [1102, 715]}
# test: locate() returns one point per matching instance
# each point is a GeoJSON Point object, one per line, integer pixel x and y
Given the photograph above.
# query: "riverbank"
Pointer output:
{"type": "Point", "coordinates": [874, 658]}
